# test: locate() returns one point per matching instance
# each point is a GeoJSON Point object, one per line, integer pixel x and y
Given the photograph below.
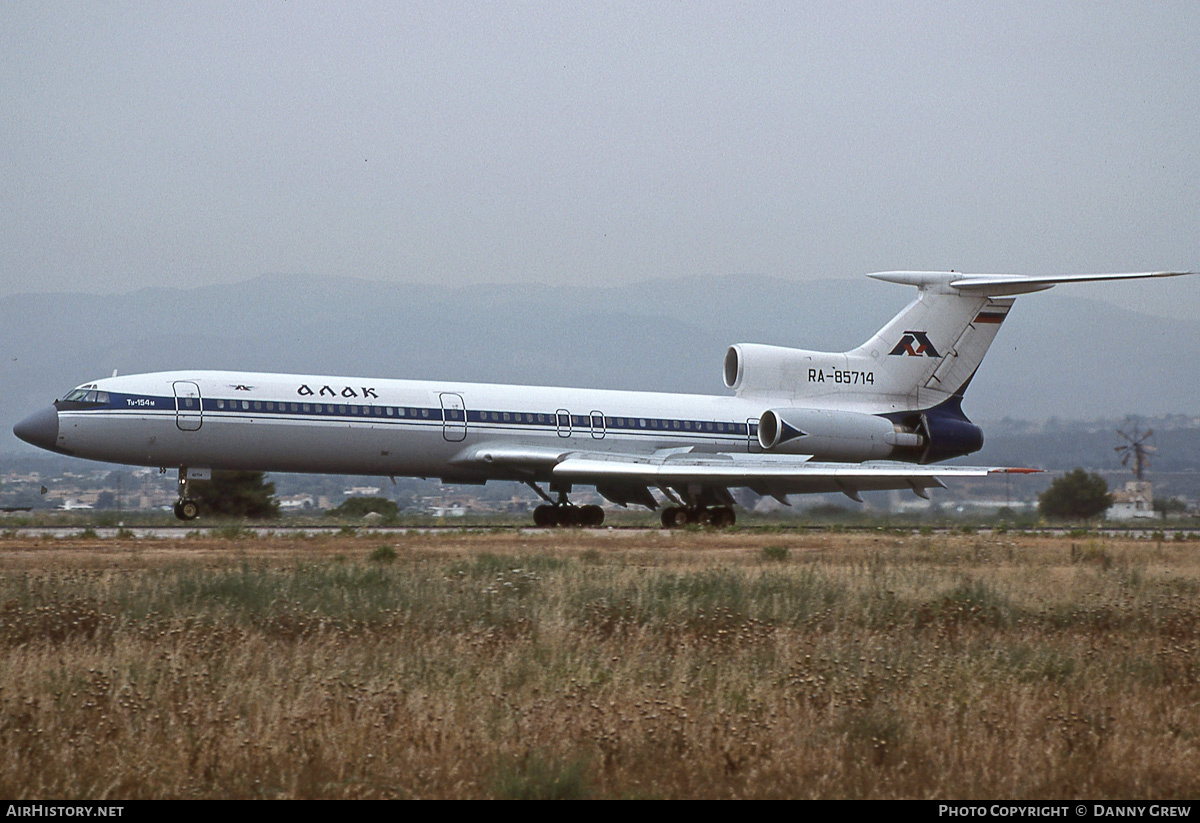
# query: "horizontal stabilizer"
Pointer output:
{"type": "Point", "coordinates": [1005, 284]}
{"type": "Point", "coordinates": [1000, 285]}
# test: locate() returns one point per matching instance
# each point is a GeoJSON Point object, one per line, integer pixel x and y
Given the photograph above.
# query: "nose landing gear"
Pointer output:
{"type": "Point", "coordinates": [186, 508]}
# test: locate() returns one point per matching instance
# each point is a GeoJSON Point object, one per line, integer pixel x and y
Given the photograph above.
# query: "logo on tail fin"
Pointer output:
{"type": "Point", "coordinates": [919, 338]}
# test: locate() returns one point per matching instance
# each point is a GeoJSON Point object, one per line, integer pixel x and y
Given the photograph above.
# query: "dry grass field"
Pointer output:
{"type": "Point", "coordinates": [614, 664]}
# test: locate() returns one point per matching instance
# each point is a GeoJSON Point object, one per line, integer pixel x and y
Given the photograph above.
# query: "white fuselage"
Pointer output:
{"type": "Point", "coordinates": [344, 425]}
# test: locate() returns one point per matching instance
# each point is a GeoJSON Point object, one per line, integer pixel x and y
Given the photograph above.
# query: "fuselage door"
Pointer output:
{"type": "Point", "coordinates": [752, 444]}
{"type": "Point", "coordinates": [562, 419]}
{"type": "Point", "coordinates": [598, 425]}
{"type": "Point", "coordinates": [189, 412]}
{"type": "Point", "coordinates": [454, 417]}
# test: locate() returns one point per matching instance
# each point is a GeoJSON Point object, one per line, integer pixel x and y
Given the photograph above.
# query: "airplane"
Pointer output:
{"type": "Point", "coordinates": [876, 417]}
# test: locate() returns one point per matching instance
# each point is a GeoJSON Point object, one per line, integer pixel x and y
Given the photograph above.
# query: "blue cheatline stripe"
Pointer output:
{"type": "Point", "coordinates": [228, 407]}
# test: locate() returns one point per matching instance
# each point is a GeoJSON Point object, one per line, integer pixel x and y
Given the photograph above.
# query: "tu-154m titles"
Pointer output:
{"type": "Point", "coordinates": [797, 421]}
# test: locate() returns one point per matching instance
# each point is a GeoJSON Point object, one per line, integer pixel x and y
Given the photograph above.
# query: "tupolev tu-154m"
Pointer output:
{"type": "Point", "coordinates": [876, 417]}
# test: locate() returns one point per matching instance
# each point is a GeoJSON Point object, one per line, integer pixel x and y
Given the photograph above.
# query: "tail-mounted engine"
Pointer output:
{"type": "Point", "coordinates": [839, 436]}
{"type": "Point", "coordinates": [753, 367]}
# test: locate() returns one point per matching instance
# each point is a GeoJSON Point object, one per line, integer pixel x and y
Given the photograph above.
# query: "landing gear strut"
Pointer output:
{"type": "Point", "coordinates": [186, 508]}
{"type": "Point", "coordinates": [563, 513]}
{"type": "Point", "coordinates": [719, 517]}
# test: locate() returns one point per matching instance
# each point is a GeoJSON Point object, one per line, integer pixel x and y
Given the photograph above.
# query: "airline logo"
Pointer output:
{"type": "Point", "coordinates": [915, 344]}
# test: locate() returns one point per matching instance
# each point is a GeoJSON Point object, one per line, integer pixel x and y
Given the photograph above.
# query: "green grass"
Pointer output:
{"type": "Point", "coordinates": [384, 554]}
{"type": "Point", "coordinates": [776, 552]}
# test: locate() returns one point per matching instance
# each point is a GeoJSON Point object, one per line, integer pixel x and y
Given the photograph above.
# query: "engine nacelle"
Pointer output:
{"type": "Point", "coordinates": [839, 436]}
{"type": "Point", "coordinates": [753, 367]}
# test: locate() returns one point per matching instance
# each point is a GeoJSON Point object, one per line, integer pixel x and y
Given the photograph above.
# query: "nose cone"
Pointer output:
{"type": "Point", "coordinates": [40, 428]}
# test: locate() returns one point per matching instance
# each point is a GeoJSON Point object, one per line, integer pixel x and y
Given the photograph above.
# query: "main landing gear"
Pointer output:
{"type": "Point", "coordinates": [719, 517]}
{"type": "Point", "coordinates": [546, 516]}
{"type": "Point", "coordinates": [698, 511]}
{"type": "Point", "coordinates": [562, 513]}
{"type": "Point", "coordinates": [186, 508]}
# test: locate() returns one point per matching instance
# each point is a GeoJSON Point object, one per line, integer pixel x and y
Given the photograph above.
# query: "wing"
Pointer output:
{"type": "Point", "coordinates": [628, 478]}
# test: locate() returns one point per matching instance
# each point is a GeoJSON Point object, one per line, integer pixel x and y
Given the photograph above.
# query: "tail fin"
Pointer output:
{"type": "Point", "coordinates": [924, 357]}
{"type": "Point", "coordinates": [929, 352]}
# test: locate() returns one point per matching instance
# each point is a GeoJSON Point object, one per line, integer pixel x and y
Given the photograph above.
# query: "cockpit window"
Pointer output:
{"type": "Point", "coordinates": [84, 396]}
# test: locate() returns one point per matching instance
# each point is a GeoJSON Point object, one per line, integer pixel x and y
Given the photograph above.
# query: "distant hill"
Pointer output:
{"type": "Point", "coordinates": [1057, 356]}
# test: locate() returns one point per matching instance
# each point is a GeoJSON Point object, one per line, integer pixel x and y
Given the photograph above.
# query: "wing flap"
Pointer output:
{"type": "Point", "coordinates": [765, 474]}
{"type": "Point", "coordinates": [628, 478]}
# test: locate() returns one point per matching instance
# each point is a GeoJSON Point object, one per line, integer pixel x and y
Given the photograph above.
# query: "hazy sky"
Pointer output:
{"type": "Point", "coordinates": [197, 143]}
